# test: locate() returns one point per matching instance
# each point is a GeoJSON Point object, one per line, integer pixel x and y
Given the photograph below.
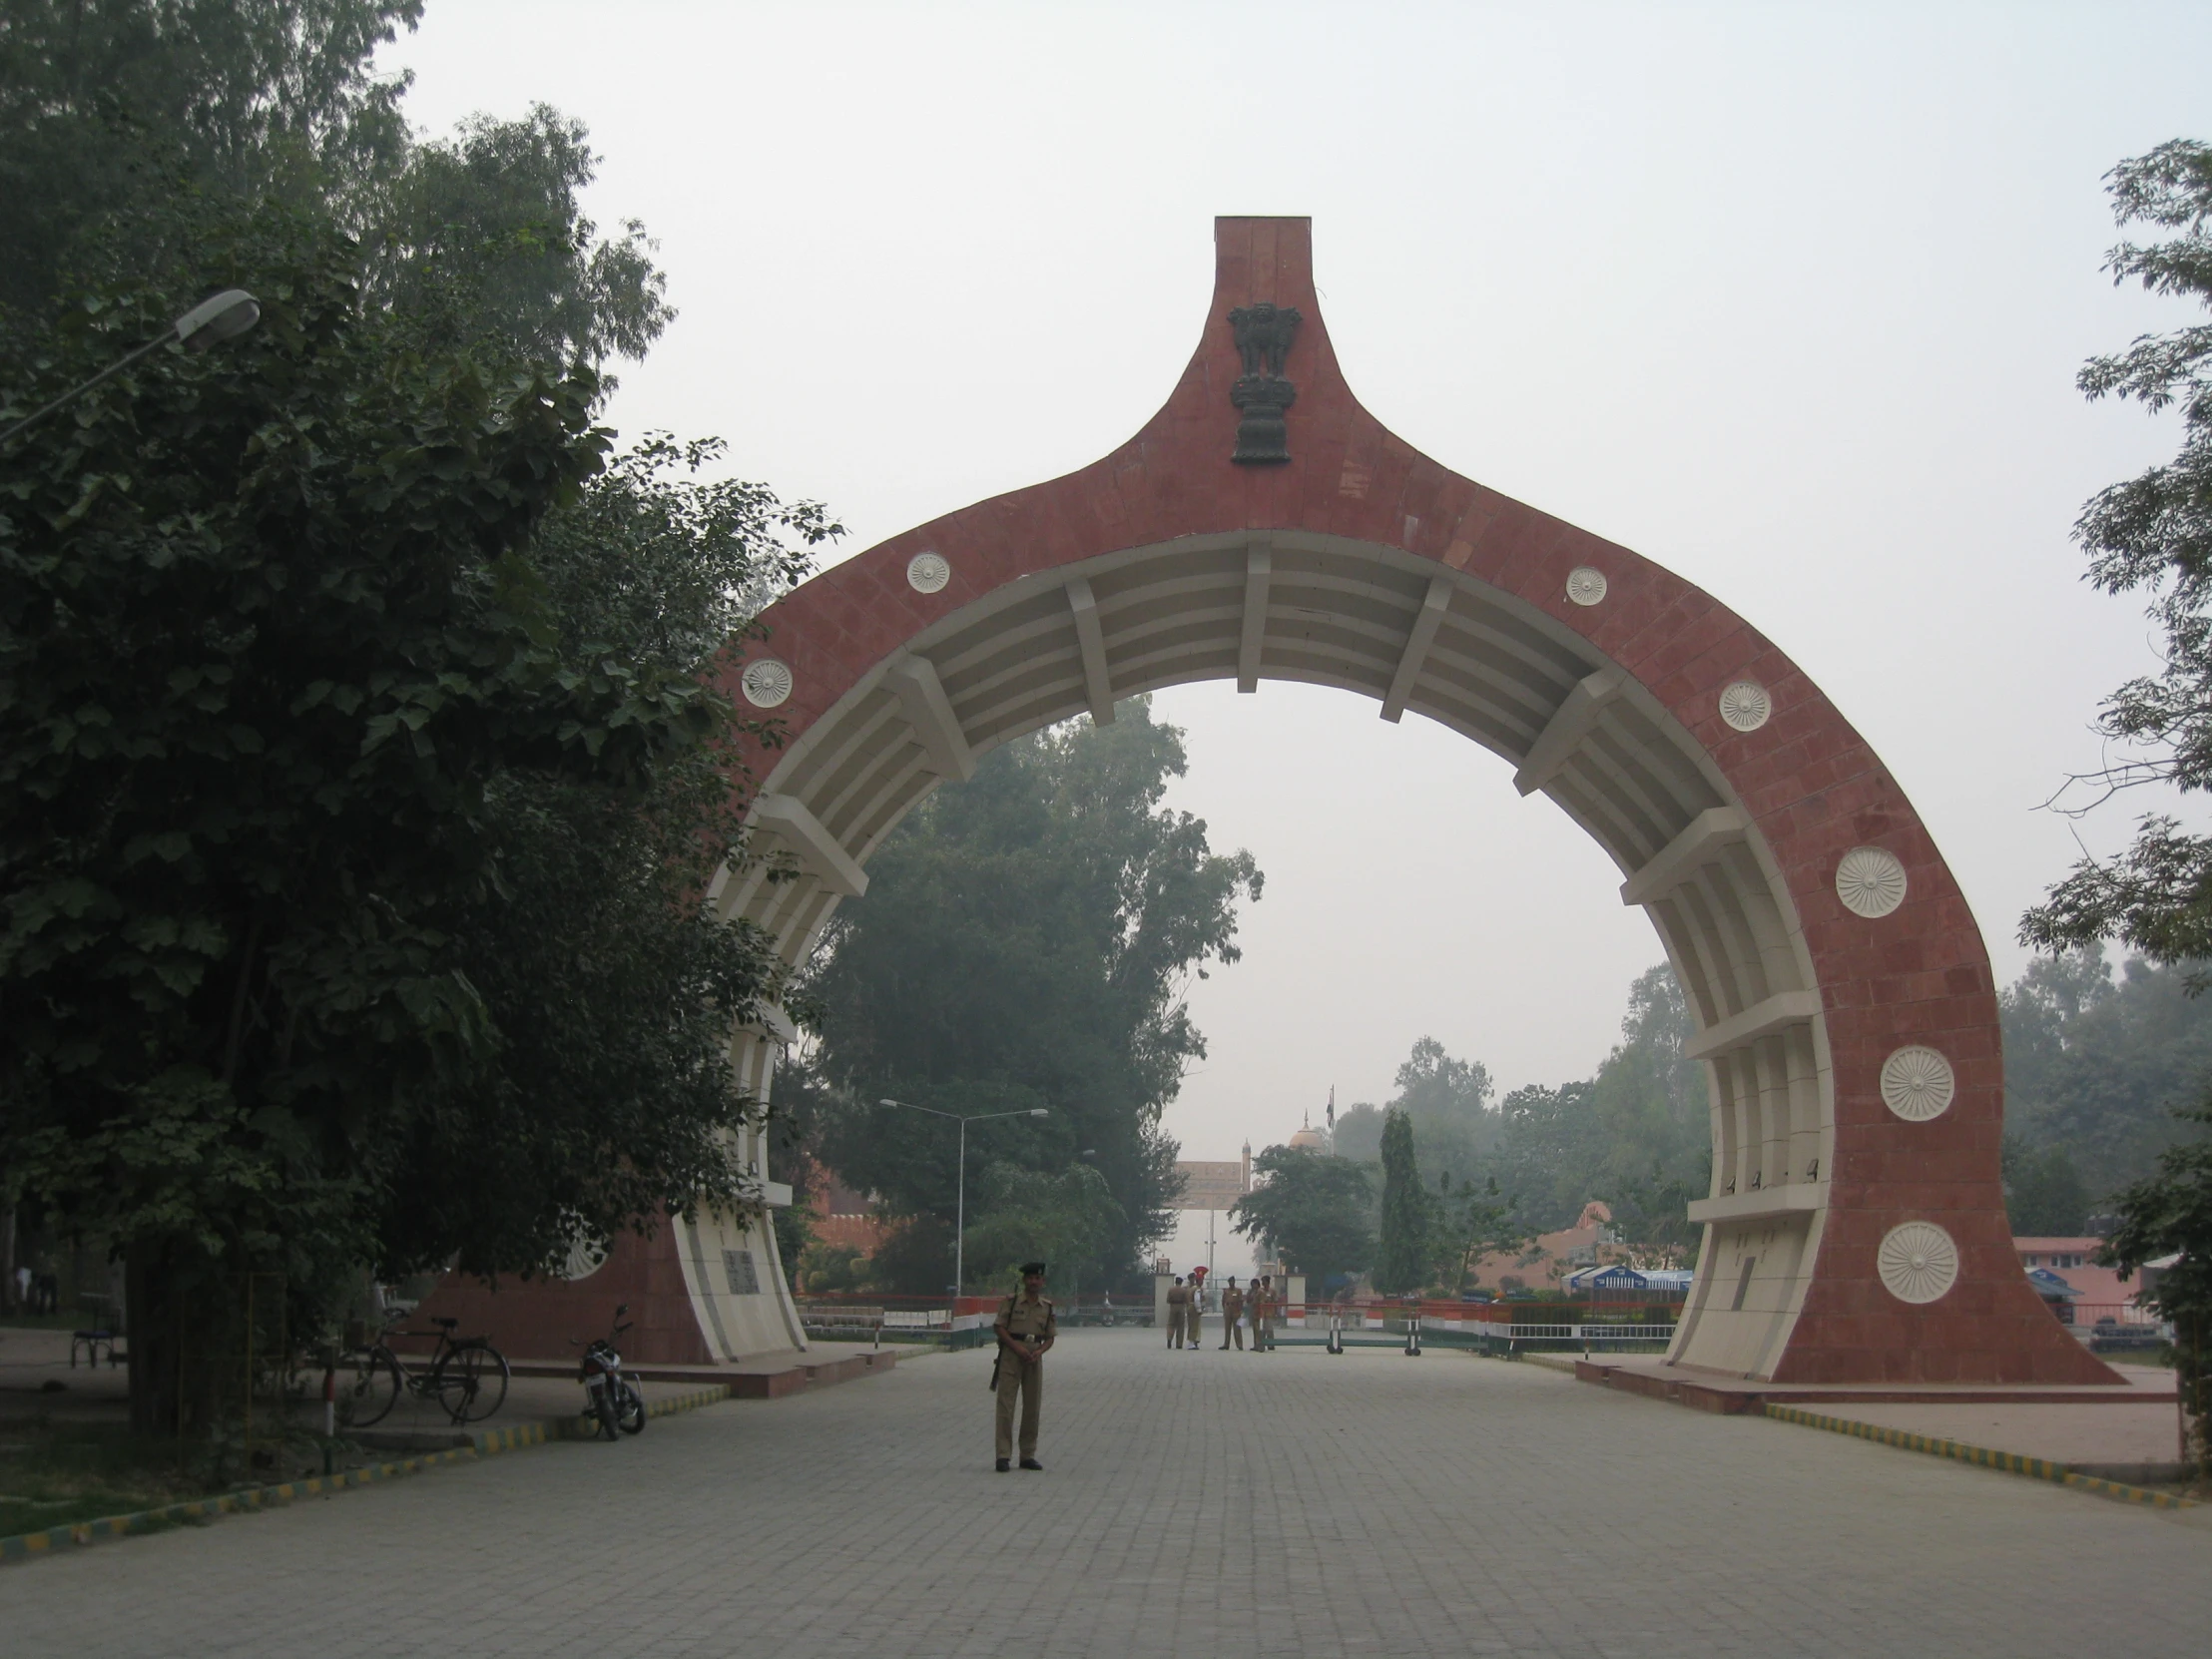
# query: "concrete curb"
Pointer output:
{"type": "Point", "coordinates": [490, 1443]}
{"type": "Point", "coordinates": [2008, 1462]}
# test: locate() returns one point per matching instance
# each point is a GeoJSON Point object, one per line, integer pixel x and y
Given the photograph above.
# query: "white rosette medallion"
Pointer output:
{"type": "Point", "coordinates": [1746, 706]}
{"type": "Point", "coordinates": [1870, 882]}
{"type": "Point", "coordinates": [1918, 1084]}
{"type": "Point", "coordinates": [1918, 1262]}
{"type": "Point", "coordinates": [765, 683]}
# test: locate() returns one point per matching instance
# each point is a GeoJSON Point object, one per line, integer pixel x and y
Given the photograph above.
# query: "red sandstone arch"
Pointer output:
{"type": "Point", "coordinates": [1362, 563]}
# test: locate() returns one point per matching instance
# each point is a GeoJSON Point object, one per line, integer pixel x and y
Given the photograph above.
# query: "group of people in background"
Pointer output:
{"type": "Point", "coordinates": [1256, 1306]}
{"type": "Point", "coordinates": [36, 1292]}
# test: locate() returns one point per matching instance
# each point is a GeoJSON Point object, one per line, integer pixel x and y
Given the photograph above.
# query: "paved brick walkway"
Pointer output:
{"type": "Point", "coordinates": [1194, 1505]}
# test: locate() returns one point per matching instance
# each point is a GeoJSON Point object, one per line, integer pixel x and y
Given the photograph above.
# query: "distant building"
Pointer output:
{"type": "Point", "coordinates": [2097, 1293]}
{"type": "Point", "coordinates": [840, 1216]}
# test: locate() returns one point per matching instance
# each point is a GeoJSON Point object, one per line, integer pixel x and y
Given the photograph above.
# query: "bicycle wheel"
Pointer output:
{"type": "Point", "coordinates": [367, 1385]}
{"type": "Point", "coordinates": [471, 1381]}
{"type": "Point", "coordinates": [630, 1415]}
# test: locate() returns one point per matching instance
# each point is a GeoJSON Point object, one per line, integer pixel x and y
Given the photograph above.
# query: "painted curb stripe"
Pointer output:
{"type": "Point", "coordinates": [2010, 1463]}
{"type": "Point", "coordinates": [489, 1443]}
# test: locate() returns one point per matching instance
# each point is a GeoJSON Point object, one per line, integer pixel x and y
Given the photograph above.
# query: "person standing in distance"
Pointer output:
{"type": "Point", "coordinates": [1263, 1314]}
{"type": "Point", "coordinates": [1196, 1313]}
{"type": "Point", "coordinates": [1026, 1328]}
{"type": "Point", "coordinates": [1179, 1305]}
{"type": "Point", "coordinates": [1232, 1314]}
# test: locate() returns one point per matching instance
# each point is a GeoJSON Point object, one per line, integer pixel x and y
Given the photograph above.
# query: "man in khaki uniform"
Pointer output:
{"type": "Point", "coordinates": [1179, 1307]}
{"type": "Point", "coordinates": [1026, 1328]}
{"type": "Point", "coordinates": [1232, 1314]}
{"type": "Point", "coordinates": [1263, 1314]}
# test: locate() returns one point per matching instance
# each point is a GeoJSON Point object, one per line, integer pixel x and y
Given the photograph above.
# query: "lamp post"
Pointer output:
{"type": "Point", "coordinates": [959, 1201]}
{"type": "Point", "coordinates": [219, 317]}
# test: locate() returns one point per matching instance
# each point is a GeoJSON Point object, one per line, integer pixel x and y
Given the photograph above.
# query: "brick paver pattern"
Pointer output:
{"type": "Point", "coordinates": [1207, 1504]}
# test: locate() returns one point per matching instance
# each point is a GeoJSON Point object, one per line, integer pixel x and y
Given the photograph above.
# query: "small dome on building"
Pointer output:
{"type": "Point", "coordinates": [1308, 1136]}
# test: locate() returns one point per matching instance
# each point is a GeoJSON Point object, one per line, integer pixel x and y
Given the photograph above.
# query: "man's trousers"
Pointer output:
{"type": "Point", "coordinates": [1028, 1378]}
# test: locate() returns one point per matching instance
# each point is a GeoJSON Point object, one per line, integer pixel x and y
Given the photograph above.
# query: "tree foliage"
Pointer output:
{"type": "Point", "coordinates": [2154, 534]}
{"type": "Point", "coordinates": [345, 848]}
{"type": "Point", "coordinates": [1449, 1102]}
{"type": "Point", "coordinates": [125, 123]}
{"type": "Point", "coordinates": [111, 107]}
{"type": "Point", "coordinates": [1068, 1221]}
{"type": "Point", "coordinates": [483, 235]}
{"type": "Point", "coordinates": [1024, 943]}
{"type": "Point", "coordinates": [1315, 1210]}
{"type": "Point", "coordinates": [358, 765]}
{"type": "Point", "coordinates": [2045, 1195]}
{"type": "Point", "coordinates": [1473, 1221]}
{"type": "Point", "coordinates": [1405, 1240]}
{"type": "Point", "coordinates": [1635, 1134]}
{"type": "Point", "coordinates": [2169, 1213]}
{"type": "Point", "coordinates": [2096, 1065]}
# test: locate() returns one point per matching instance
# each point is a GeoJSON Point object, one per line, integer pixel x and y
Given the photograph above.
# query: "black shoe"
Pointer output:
{"type": "Point", "coordinates": [1002, 1465]}
{"type": "Point", "coordinates": [1031, 1463]}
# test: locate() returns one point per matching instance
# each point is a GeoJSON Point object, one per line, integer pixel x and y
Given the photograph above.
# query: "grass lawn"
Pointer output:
{"type": "Point", "coordinates": [52, 1475]}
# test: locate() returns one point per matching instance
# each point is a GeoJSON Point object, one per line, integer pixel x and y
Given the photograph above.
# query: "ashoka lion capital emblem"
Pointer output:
{"type": "Point", "coordinates": [1264, 335]}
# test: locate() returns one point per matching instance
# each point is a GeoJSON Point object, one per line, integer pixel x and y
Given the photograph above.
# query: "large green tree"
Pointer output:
{"type": "Point", "coordinates": [1315, 1208]}
{"type": "Point", "coordinates": [1025, 942]}
{"type": "Point", "coordinates": [1449, 1102]}
{"type": "Point", "coordinates": [109, 109]}
{"type": "Point", "coordinates": [361, 774]}
{"type": "Point", "coordinates": [1406, 1234]}
{"type": "Point", "coordinates": [484, 236]}
{"type": "Point", "coordinates": [2152, 534]}
{"type": "Point", "coordinates": [1068, 1221]}
{"type": "Point", "coordinates": [124, 122]}
{"type": "Point", "coordinates": [612, 990]}
{"type": "Point", "coordinates": [2095, 1064]}
{"type": "Point", "coordinates": [299, 749]}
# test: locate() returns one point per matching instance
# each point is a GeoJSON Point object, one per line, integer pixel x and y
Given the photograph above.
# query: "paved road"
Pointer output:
{"type": "Point", "coordinates": [1193, 1504]}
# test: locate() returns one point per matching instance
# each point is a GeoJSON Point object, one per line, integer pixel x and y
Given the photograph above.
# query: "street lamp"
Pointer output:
{"type": "Point", "coordinates": [222, 316]}
{"type": "Point", "coordinates": [959, 1201]}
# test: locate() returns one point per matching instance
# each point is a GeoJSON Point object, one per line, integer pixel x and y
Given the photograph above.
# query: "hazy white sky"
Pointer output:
{"type": "Point", "coordinates": [1788, 297]}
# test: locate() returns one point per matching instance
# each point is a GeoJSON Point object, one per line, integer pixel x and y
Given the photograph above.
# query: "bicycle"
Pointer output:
{"type": "Point", "coordinates": [468, 1377]}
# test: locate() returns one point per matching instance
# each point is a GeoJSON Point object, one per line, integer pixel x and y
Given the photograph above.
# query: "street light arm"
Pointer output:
{"type": "Point", "coordinates": [70, 397]}
{"type": "Point", "coordinates": [223, 316]}
{"type": "Point", "coordinates": [911, 1107]}
{"type": "Point", "coordinates": [978, 1117]}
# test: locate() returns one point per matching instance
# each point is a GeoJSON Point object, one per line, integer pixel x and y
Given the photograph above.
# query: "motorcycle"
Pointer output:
{"type": "Point", "coordinates": [610, 1396]}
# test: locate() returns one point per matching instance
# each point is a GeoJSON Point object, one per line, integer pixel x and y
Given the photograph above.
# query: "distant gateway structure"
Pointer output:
{"type": "Point", "coordinates": [1211, 1184]}
{"type": "Point", "coordinates": [1263, 526]}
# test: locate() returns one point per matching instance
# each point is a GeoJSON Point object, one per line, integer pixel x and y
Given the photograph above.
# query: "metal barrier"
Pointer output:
{"type": "Point", "coordinates": [1511, 1340]}
{"type": "Point", "coordinates": [847, 1322]}
{"type": "Point", "coordinates": [1416, 1332]}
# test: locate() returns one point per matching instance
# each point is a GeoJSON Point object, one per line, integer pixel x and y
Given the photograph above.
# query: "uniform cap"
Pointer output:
{"type": "Point", "coordinates": [1028, 1268]}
